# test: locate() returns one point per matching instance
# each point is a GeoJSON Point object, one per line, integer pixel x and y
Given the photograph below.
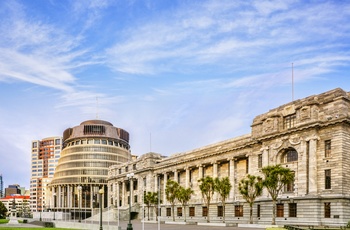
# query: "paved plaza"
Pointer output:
{"type": "Point", "coordinates": [137, 225]}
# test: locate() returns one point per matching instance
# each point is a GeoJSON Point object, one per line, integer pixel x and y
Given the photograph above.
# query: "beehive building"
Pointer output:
{"type": "Point", "coordinates": [82, 171]}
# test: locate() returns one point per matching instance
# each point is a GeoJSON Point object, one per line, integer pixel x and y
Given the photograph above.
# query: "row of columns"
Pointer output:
{"type": "Point", "coordinates": [72, 196]}
{"type": "Point", "coordinates": [120, 194]}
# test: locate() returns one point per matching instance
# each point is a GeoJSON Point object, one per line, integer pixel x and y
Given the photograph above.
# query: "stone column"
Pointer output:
{"type": "Point", "coordinates": [215, 169]}
{"type": "Point", "coordinates": [155, 183]}
{"type": "Point", "coordinates": [117, 194]}
{"type": "Point", "coordinates": [164, 187]}
{"type": "Point", "coordinates": [313, 165]}
{"type": "Point", "coordinates": [232, 177]}
{"type": "Point", "coordinates": [123, 193]}
{"type": "Point", "coordinates": [187, 182]}
{"type": "Point", "coordinates": [60, 196]}
{"type": "Point", "coordinates": [265, 156]}
{"type": "Point", "coordinates": [200, 172]}
{"type": "Point", "coordinates": [175, 176]}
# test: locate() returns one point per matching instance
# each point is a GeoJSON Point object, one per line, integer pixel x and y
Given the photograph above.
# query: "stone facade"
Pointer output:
{"type": "Point", "coordinates": [311, 136]}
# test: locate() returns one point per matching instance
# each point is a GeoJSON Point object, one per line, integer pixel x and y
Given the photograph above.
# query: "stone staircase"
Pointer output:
{"type": "Point", "coordinates": [112, 213]}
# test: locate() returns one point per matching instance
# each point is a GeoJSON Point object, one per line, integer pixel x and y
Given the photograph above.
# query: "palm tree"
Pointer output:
{"type": "Point", "coordinates": [172, 187]}
{"type": "Point", "coordinates": [276, 177]}
{"type": "Point", "coordinates": [250, 188]}
{"type": "Point", "coordinates": [207, 189]}
{"type": "Point", "coordinates": [183, 196]}
{"type": "Point", "coordinates": [223, 188]}
{"type": "Point", "coordinates": [150, 199]}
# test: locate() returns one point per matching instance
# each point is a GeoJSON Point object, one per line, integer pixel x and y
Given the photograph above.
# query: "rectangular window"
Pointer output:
{"type": "Point", "coordinates": [260, 161]}
{"type": "Point", "coordinates": [292, 209]}
{"type": "Point", "coordinates": [204, 211]}
{"type": "Point", "coordinates": [238, 210]}
{"type": "Point", "coordinates": [289, 187]}
{"type": "Point", "coordinates": [327, 148]}
{"type": "Point", "coordinates": [220, 211]}
{"type": "Point", "coordinates": [135, 198]}
{"type": "Point", "coordinates": [327, 210]}
{"type": "Point", "coordinates": [192, 211]}
{"type": "Point", "coordinates": [179, 211]}
{"type": "Point", "coordinates": [168, 211]}
{"type": "Point", "coordinates": [280, 210]}
{"type": "Point", "coordinates": [327, 179]}
{"type": "Point", "coordinates": [289, 121]}
{"type": "Point", "coordinates": [258, 210]}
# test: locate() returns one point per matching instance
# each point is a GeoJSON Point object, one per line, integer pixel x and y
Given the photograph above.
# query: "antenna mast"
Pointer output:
{"type": "Point", "coordinates": [292, 81]}
{"type": "Point", "coordinates": [96, 107]}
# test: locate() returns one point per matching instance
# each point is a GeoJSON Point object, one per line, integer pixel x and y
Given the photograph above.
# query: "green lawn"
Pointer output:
{"type": "Point", "coordinates": [35, 228]}
{"type": "Point", "coordinates": [3, 221]}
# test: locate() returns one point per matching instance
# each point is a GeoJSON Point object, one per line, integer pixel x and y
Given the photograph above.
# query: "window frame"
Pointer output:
{"type": "Point", "coordinates": [280, 210]}
{"type": "Point", "coordinates": [238, 210]}
{"type": "Point", "coordinates": [327, 148]}
{"type": "Point", "coordinates": [328, 179]}
{"type": "Point", "coordinates": [327, 210]}
{"type": "Point", "coordinates": [292, 209]}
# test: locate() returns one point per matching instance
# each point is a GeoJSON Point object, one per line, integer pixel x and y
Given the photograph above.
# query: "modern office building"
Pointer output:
{"type": "Point", "coordinates": [80, 181]}
{"type": "Point", "coordinates": [45, 155]}
{"type": "Point", "coordinates": [13, 189]}
{"type": "Point", "coordinates": [310, 136]}
{"type": "Point", "coordinates": [1, 187]}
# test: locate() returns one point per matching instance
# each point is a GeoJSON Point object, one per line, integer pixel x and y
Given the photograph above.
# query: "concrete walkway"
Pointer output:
{"type": "Point", "coordinates": [136, 224]}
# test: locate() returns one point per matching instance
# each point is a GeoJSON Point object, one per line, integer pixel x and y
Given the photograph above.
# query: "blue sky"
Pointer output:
{"type": "Point", "coordinates": [177, 75]}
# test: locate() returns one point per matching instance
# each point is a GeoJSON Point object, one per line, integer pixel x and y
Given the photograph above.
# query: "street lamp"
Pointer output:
{"type": "Point", "coordinates": [79, 190]}
{"type": "Point", "coordinates": [129, 176]}
{"type": "Point", "coordinates": [101, 191]}
{"type": "Point", "coordinates": [54, 205]}
{"type": "Point", "coordinates": [41, 206]}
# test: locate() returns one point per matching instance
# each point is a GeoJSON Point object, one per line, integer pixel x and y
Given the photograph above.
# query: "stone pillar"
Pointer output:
{"type": "Point", "coordinates": [200, 172]}
{"type": "Point", "coordinates": [232, 177]}
{"type": "Point", "coordinates": [60, 196]}
{"type": "Point", "coordinates": [265, 156]}
{"type": "Point", "coordinates": [155, 183]}
{"type": "Point", "coordinates": [91, 197]}
{"type": "Point", "coordinates": [117, 195]}
{"type": "Point", "coordinates": [164, 187]}
{"type": "Point", "coordinates": [215, 169]}
{"type": "Point", "coordinates": [123, 193]}
{"type": "Point", "coordinates": [176, 176]}
{"type": "Point", "coordinates": [187, 182]}
{"type": "Point", "coordinates": [313, 166]}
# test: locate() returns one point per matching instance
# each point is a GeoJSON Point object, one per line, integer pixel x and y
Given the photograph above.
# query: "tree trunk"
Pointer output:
{"type": "Point", "coordinates": [172, 207]}
{"type": "Point", "coordinates": [148, 212]}
{"type": "Point", "coordinates": [208, 220]}
{"type": "Point", "coordinates": [251, 213]}
{"type": "Point", "coordinates": [223, 212]}
{"type": "Point", "coordinates": [273, 212]}
{"type": "Point", "coordinates": [184, 207]}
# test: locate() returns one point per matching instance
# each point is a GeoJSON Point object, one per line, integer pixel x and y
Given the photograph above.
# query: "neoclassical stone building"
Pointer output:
{"type": "Point", "coordinates": [311, 136]}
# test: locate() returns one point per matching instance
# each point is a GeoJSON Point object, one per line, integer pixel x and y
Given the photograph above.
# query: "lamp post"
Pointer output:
{"type": "Point", "coordinates": [101, 191]}
{"type": "Point", "coordinates": [79, 206]}
{"type": "Point", "coordinates": [41, 207]}
{"type": "Point", "coordinates": [54, 205]}
{"type": "Point", "coordinates": [129, 176]}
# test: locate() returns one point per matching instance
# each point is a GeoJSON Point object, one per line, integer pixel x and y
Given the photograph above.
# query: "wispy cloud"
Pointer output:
{"type": "Point", "coordinates": [232, 36]}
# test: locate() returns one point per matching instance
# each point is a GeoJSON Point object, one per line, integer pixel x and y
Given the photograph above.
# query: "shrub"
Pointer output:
{"type": "Point", "coordinates": [49, 225]}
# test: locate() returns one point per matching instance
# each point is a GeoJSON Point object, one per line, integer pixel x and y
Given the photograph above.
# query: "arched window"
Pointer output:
{"type": "Point", "coordinates": [289, 155]}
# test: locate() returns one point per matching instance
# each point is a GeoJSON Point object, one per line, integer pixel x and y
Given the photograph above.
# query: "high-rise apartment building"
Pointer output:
{"type": "Point", "coordinates": [45, 155]}
{"type": "Point", "coordinates": [1, 187]}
